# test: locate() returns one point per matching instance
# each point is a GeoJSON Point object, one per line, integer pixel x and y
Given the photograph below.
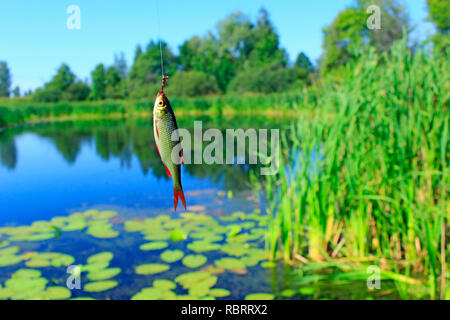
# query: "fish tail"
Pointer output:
{"type": "Point", "coordinates": [178, 194]}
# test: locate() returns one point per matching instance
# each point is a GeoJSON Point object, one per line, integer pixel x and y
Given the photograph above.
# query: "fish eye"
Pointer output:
{"type": "Point", "coordinates": [160, 103]}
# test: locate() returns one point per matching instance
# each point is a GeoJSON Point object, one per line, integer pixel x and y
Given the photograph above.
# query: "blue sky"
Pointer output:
{"type": "Point", "coordinates": [34, 39]}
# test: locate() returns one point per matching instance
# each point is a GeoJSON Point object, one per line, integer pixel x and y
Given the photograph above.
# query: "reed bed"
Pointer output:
{"type": "Point", "coordinates": [370, 185]}
{"type": "Point", "coordinates": [22, 110]}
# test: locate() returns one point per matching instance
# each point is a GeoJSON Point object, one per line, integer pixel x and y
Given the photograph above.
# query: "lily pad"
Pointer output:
{"type": "Point", "coordinates": [194, 260]}
{"type": "Point", "coordinates": [105, 256]}
{"type": "Point", "coordinates": [250, 261]}
{"type": "Point", "coordinates": [163, 284]}
{"type": "Point", "coordinates": [4, 244]}
{"type": "Point", "coordinates": [106, 214]}
{"type": "Point", "coordinates": [168, 295]}
{"type": "Point", "coordinates": [102, 231]}
{"type": "Point", "coordinates": [172, 255]}
{"type": "Point", "coordinates": [260, 296]}
{"type": "Point", "coordinates": [177, 235]}
{"type": "Point", "coordinates": [33, 237]}
{"type": "Point", "coordinates": [47, 259]}
{"type": "Point", "coordinates": [219, 292]}
{"type": "Point", "coordinates": [62, 260]}
{"type": "Point", "coordinates": [230, 264]}
{"type": "Point", "coordinates": [247, 225]}
{"type": "Point", "coordinates": [203, 246]}
{"type": "Point", "coordinates": [38, 263]}
{"type": "Point", "coordinates": [103, 274]}
{"type": "Point", "coordinates": [5, 293]}
{"type": "Point", "coordinates": [134, 226]}
{"type": "Point", "coordinates": [234, 230]}
{"type": "Point", "coordinates": [20, 285]}
{"type": "Point", "coordinates": [9, 250]}
{"type": "Point", "coordinates": [198, 278]}
{"type": "Point", "coordinates": [56, 293]}
{"type": "Point", "coordinates": [9, 260]}
{"type": "Point", "coordinates": [198, 290]}
{"type": "Point", "coordinates": [99, 286]}
{"type": "Point", "coordinates": [151, 268]}
{"type": "Point", "coordinates": [235, 249]}
{"type": "Point", "coordinates": [148, 294]}
{"type": "Point", "coordinates": [156, 245]}
{"type": "Point", "coordinates": [26, 273]}
{"type": "Point", "coordinates": [94, 267]}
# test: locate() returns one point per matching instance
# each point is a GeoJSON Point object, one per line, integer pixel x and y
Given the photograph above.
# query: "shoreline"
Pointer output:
{"type": "Point", "coordinates": [145, 114]}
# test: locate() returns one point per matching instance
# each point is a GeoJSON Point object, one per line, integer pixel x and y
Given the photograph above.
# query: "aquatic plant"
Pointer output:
{"type": "Point", "coordinates": [367, 177]}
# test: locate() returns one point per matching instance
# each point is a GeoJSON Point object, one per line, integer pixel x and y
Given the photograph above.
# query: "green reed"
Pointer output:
{"type": "Point", "coordinates": [367, 176]}
{"type": "Point", "coordinates": [21, 110]}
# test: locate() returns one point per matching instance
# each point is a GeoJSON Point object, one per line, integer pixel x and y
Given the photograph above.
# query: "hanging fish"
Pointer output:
{"type": "Point", "coordinates": [164, 125]}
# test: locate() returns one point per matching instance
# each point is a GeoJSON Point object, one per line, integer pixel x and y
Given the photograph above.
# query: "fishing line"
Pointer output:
{"type": "Point", "coordinates": [159, 35]}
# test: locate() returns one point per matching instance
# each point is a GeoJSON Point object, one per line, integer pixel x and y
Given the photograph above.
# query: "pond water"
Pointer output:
{"type": "Point", "coordinates": [70, 190]}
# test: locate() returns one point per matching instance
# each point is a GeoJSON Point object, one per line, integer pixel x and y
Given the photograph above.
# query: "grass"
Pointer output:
{"type": "Point", "coordinates": [23, 110]}
{"type": "Point", "coordinates": [370, 185]}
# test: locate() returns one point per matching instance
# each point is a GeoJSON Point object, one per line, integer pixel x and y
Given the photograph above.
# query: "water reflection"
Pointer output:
{"type": "Point", "coordinates": [8, 151]}
{"type": "Point", "coordinates": [58, 167]}
{"type": "Point", "coordinates": [122, 139]}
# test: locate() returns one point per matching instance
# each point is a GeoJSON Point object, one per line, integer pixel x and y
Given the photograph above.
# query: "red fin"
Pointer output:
{"type": "Point", "coordinates": [156, 127]}
{"type": "Point", "coordinates": [158, 149]}
{"type": "Point", "coordinates": [168, 172]}
{"type": "Point", "coordinates": [178, 194]}
{"type": "Point", "coordinates": [182, 157]}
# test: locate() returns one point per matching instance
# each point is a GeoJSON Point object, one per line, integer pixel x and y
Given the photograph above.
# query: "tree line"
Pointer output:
{"type": "Point", "coordinates": [238, 56]}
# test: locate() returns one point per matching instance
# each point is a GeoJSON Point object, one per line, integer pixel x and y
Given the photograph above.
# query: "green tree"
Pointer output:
{"type": "Point", "coordinates": [63, 79]}
{"type": "Point", "coordinates": [145, 73]}
{"type": "Point", "coordinates": [394, 18]}
{"type": "Point", "coordinates": [98, 82]}
{"type": "Point", "coordinates": [439, 14]}
{"type": "Point", "coordinates": [343, 37]}
{"type": "Point", "coordinates": [192, 83]}
{"type": "Point", "coordinates": [190, 56]}
{"type": "Point", "coordinates": [5, 79]}
{"type": "Point", "coordinates": [348, 33]}
{"type": "Point", "coordinates": [63, 86]}
{"type": "Point", "coordinates": [120, 63]}
{"type": "Point", "coordinates": [303, 62]}
{"type": "Point", "coordinates": [266, 79]}
{"type": "Point", "coordinates": [76, 91]}
{"type": "Point", "coordinates": [265, 43]}
{"type": "Point", "coordinates": [204, 55]}
{"type": "Point", "coordinates": [115, 84]}
{"type": "Point", "coordinates": [236, 44]}
{"type": "Point", "coordinates": [16, 92]}
{"type": "Point", "coordinates": [303, 67]}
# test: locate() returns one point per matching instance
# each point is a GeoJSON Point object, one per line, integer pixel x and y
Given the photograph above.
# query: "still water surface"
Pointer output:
{"type": "Point", "coordinates": [57, 169]}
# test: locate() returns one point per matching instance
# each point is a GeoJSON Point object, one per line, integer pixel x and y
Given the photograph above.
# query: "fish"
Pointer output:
{"type": "Point", "coordinates": [164, 125]}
